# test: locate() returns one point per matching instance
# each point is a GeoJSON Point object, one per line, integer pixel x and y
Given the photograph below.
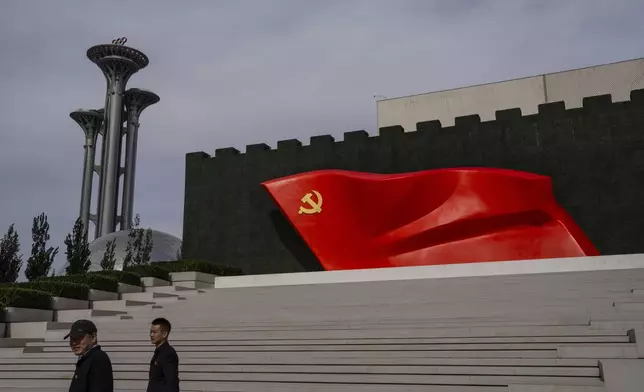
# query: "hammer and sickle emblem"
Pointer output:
{"type": "Point", "coordinates": [315, 207]}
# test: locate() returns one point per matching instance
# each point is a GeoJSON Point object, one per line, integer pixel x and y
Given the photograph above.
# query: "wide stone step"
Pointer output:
{"type": "Point", "coordinates": [358, 296]}
{"type": "Point", "coordinates": [12, 343]}
{"type": "Point", "coordinates": [135, 330]}
{"type": "Point", "coordinates": [149, 314]}
{"type": "Point", "coordinates": [269, 315]}
{"type": "Point", "coordinates": [11, 352]}
{"type": "Point", "coordinates": [179, 341]}
{"type": "Point", "coordinates": [446, 310]}
{"type": "Point", "coordinates": [177, 290]}
{"type": "Point", "coordinates": [380, 319]}
{"type": "Point", "coordinates": [605, 351]}
{"type": "Point", "coordinates": [629, 306]}
{"type": "Point", "coordinates": [384, 329]}
{"type": "Point", "coordinates": [638, 293]}
{"type": "Point", "coordinates": [302, 387]}
{"type": "Point", "coordinates": [309, 312]}
{"type": "Point", "coordinates": [348, 324]}
{"type": "Point", "coordinates": [605, 300]}
{"type": "Point", "coordinates": [325, 359]}
{"type": "Point", "coordinates": [118, 354]}
{"type": "Point", "coordinates": [73, 315]}
{"type": "Point", "coordinates": [579, 347]}
{"type": "Point", "coordinates": [376, 319]}
{"type": "Point", "coordinates": [324, 342]}
{"type": "Point", "coordinates": [383, 320]}
{"type": "Point", "coordinates": [284, 387]}
{"type": "Point", "coordinates": [620, 315]}
{"type": "Point", "coordinates": [125, 379]}
{"type": "Point", "coordinates": [397, 292]}
{"type": "Point", "coordinates": [615, 325]}
{"type": "Point", "coordinates": [121, 305]}
{"type": "Point", "coordinates": [150, 297]}
{"type": "Point", "coordinates": [413, 303]}
{"type": "Point", "coordinates": [556, 388]}
{"type": "Point", "coordinates": [559, 371]}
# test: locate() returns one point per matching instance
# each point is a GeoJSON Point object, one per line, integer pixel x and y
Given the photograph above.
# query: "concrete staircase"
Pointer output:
{"type": "Point", "coordinates": [568, 325]}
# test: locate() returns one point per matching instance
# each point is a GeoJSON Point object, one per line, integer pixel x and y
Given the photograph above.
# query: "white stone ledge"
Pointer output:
{"type": "Point", "coordinates": [192, 276]}
{"type": "Point", "coordinates": [18, 315]}
{"type": "Point", "coordinates": [18, 342]}
{"type": "Point", "coordinates": [125, 288]}
{"type": "Point", "coordinates": [27, 330]}
{"type": "Point", "coordinates": [149, 281]}
{"type": "Point", "coordinates": [523, 267]}
{"type": "Point", "coordinates": [59, 303]}
{"type": "Point", "coordinates": [623, 375]}
{"type": "Point", "coordinates": [194, 284]}
{"type": "Point", "coordinates": [100, 295]}
{"type": "Point", "coordinates": [193, 279]}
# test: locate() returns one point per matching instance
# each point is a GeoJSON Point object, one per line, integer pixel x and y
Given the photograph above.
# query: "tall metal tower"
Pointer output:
{"type": "Point", "coordinates": [136, 100]}
{"type": "Point", "coordinates": [90, 121]}
{"type": "Point", "coordinates": [118, 63]}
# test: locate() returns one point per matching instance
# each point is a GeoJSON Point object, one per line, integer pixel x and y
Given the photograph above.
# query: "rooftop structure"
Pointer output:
{"type": "Point", "coordinates": [616, 79]}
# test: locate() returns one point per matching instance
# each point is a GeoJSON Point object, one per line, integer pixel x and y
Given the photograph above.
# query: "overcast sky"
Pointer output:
{"type": "Point", "coordinates": [231, 73]}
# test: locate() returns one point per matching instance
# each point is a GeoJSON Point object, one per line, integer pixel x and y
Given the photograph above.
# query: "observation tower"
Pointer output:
{"type": "Point", "coordinates": [118, 63]}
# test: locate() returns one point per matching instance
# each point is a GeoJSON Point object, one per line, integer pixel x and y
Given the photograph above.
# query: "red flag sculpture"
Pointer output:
{"type": "Point", "coordinates": [354, 220]}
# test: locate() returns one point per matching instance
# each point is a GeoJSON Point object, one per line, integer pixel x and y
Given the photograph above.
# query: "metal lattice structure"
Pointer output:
{"type": "Point", "coordinates": [118, 63]}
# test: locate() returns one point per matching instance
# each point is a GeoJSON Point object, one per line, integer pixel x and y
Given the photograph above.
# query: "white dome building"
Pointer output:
{"type": "Point", "coordinates": [165, 247]}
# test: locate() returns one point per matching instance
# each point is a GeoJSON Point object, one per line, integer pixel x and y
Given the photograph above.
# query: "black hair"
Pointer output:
{"type": "Point", "coordinates": [163, 323]}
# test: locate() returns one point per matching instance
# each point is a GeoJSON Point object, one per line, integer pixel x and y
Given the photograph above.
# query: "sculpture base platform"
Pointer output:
{"type": "Point", "coordinates": [542, 266]}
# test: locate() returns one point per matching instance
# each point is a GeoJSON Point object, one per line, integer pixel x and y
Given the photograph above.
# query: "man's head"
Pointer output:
{"type": "Point", "coordinates": [159, 331]}
{"type": "Point", "coordinates": [82, 336]}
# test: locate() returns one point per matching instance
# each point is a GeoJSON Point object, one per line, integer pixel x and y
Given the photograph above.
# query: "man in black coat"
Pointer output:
{"type": "Point", "coordinates": [164, 366]}
{"type": "Point", "coordinates": [93, 369]}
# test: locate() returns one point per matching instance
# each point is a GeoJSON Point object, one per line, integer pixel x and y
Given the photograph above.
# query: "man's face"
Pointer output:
{"type": "Point", "coordinates": [157, 334]}
{"type": "Point", "coordinates": [80, 344]}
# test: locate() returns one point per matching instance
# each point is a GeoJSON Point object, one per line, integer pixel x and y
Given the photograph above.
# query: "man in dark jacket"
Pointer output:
{"type": "Point", "coordinates": [164, 366]}
{"type": "Point", "coordinates": [93, 368]}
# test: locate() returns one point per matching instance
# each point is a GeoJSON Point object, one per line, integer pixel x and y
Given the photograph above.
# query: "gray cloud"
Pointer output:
{"type": "Point", "coordinates": [231, 73]}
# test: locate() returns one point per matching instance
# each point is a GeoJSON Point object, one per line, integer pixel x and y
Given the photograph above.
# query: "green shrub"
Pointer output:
{"type": "Point", "coordinates": [149, 271]}
{"type": "Point", "coordinates": [58, 289]}
{"type": "Point", "coordinates": [199, 266]}
{"type": "Point", "coordinates": [98, 282]}
{"type": "Point", "coordinates": [126, 277]}
{"type": "Point", "coordinates": [17, 297]}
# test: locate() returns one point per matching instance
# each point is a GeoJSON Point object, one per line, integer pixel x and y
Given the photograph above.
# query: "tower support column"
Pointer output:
{"type": "Point", "coordinates": [101, 176]}
{"type": "Point", "coordinates": [112, 140]}
{"type": "Point", "coordinates": [136, 100]}
{"type": "Point", "coordinates": [90, 121]}
{"type": "Point", "coordinates": [88, 178]}
{"type": "Point", "coordinates": [127, 210]}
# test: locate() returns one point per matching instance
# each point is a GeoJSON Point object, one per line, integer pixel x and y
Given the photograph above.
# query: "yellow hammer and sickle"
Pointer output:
{"type": "Point", "coordinates": [316, 207]}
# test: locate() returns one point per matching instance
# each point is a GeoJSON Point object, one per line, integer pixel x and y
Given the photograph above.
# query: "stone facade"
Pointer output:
{"type": "Point", "coordinates": [594, 155]}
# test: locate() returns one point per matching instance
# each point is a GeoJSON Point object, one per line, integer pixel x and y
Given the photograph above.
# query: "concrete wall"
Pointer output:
{"type": "Point", "coordinates": [617, 79]}
{"type": "Point", "coordinates": [594, 155]}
